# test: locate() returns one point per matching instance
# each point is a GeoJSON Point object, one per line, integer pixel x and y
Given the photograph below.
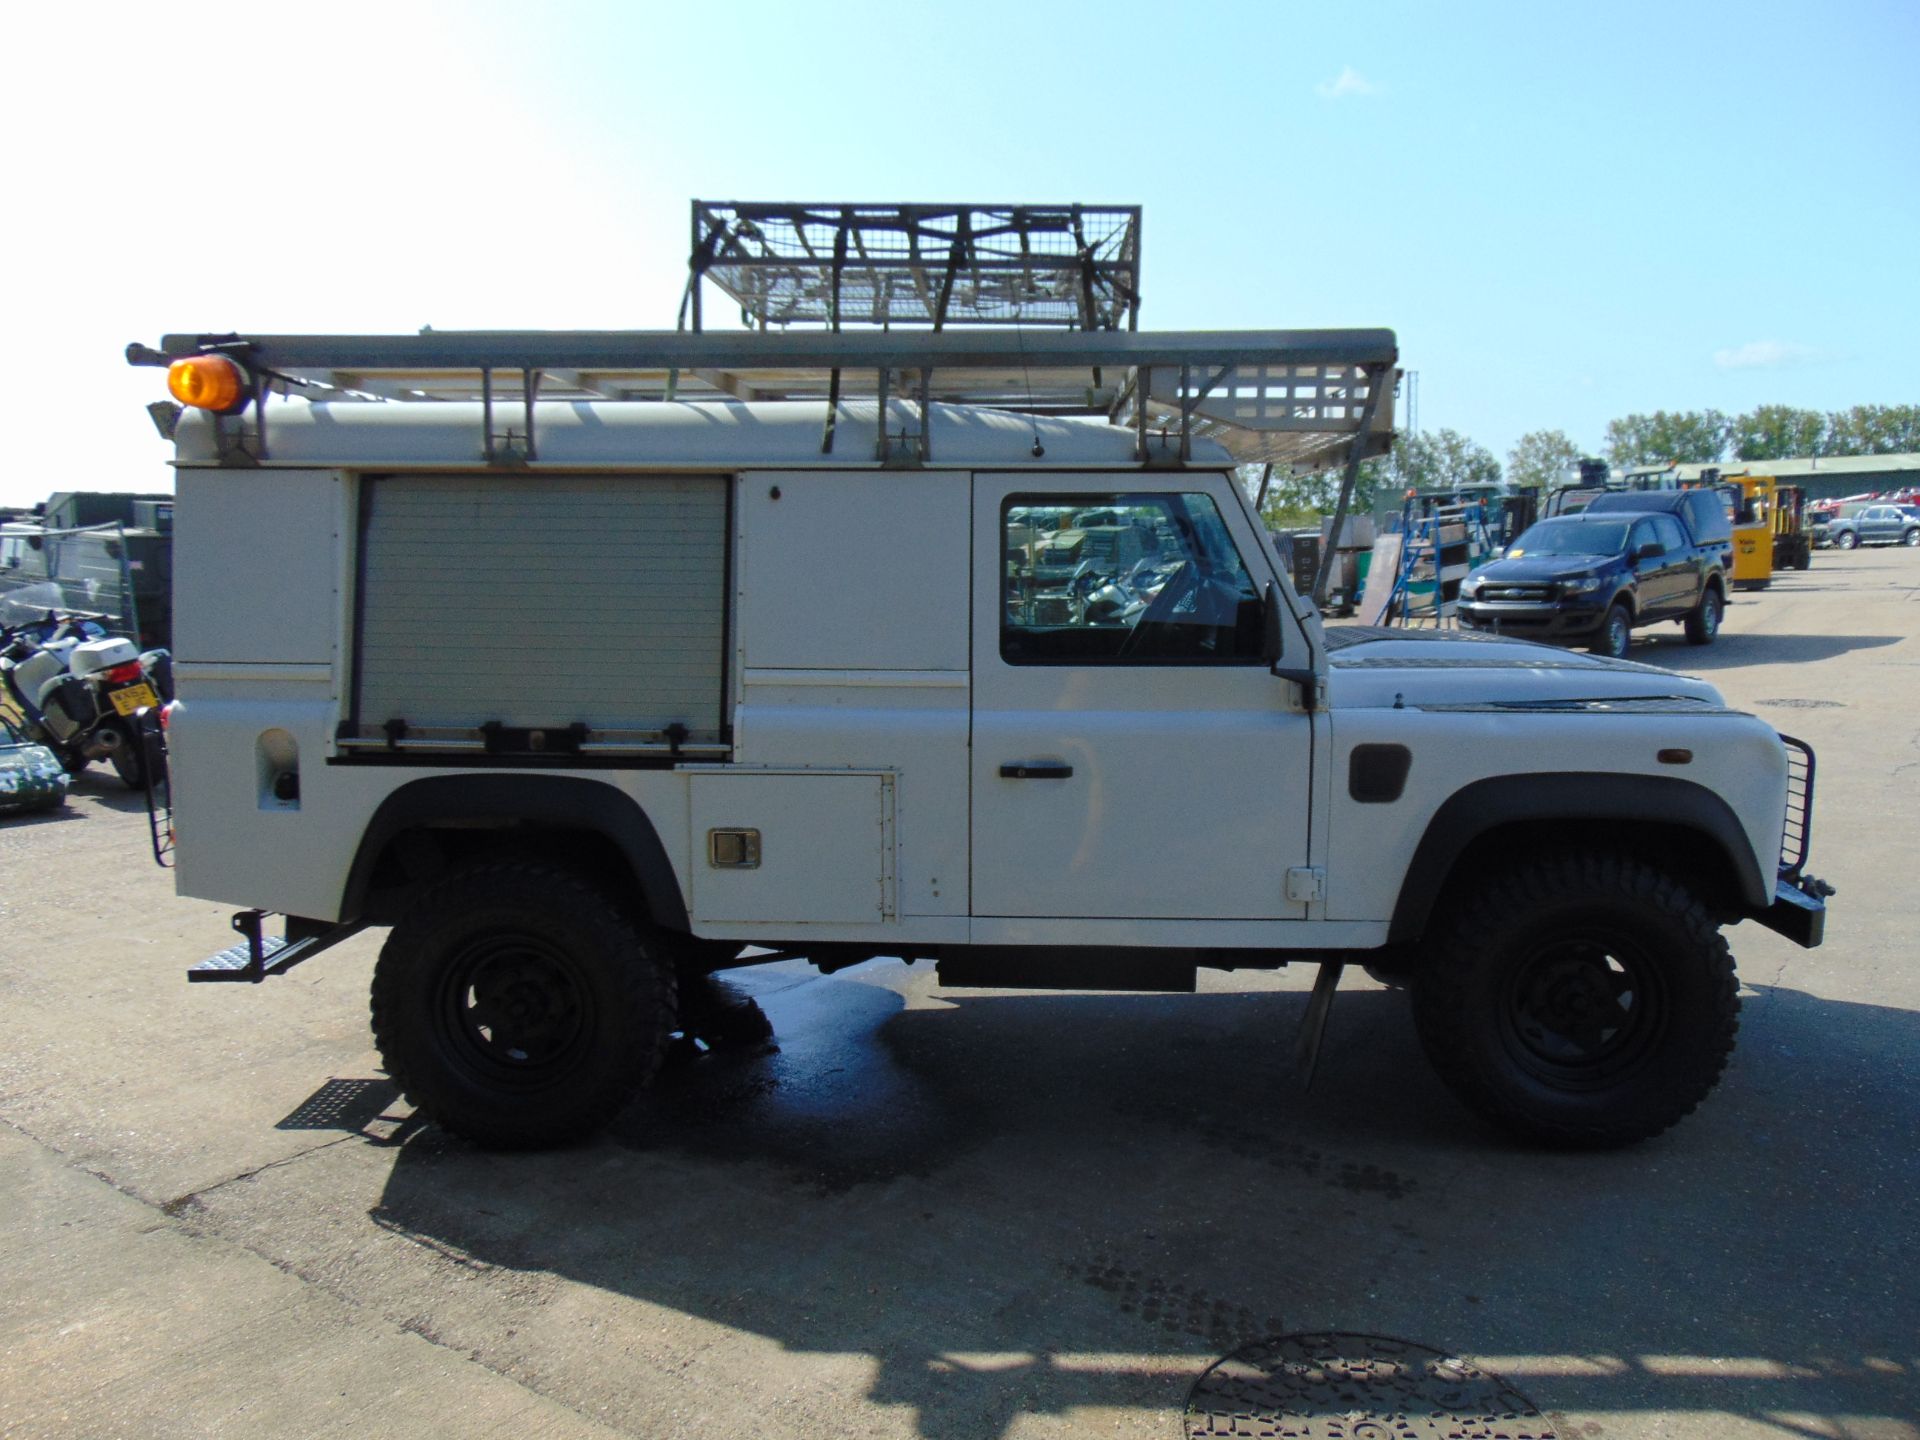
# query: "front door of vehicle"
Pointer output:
{"type": "Point", "coordinates": [1132, 755]}
{"type": "Point", "coordinates": [1679, 568]}
{"type": "Point", "coordinates": [1652, 574]}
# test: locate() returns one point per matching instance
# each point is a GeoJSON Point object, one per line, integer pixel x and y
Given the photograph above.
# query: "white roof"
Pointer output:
{"type": "Point", "coordinates": [673, 434]}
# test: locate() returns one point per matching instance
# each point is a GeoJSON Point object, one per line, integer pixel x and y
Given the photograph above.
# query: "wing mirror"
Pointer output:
{"type": "Point", "coordinates": [1652, 550]}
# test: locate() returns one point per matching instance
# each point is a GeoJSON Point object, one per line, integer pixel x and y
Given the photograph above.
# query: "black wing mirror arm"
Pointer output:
{"type": "Point", "coordinates": [1273, 645]}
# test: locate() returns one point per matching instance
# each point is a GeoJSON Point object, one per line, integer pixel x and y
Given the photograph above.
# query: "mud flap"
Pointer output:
{"type": "Point", "coordinates": [1313, 1025]}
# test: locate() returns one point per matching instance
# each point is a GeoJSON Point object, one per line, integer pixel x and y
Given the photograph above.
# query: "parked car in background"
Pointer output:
{"type": "Point", "coordinates": [1593, 578]}
{"type": "Point", "coordinates": [1874, 525]}
{"type": "Point", "coordinates": [31, 775]}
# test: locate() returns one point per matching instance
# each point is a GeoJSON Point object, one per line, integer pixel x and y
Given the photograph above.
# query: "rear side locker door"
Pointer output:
{"type": "Point", "coordinates": [497, 612]}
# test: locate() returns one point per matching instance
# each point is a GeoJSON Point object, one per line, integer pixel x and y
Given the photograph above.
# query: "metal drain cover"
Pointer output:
{"type": "Point", "coordinates": [1356, 1387]}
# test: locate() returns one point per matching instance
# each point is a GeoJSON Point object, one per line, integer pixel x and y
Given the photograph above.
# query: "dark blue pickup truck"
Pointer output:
{"type": "Point", "coordinates": [1626, 561]}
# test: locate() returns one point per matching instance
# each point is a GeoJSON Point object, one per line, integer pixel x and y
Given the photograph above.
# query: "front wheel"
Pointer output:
{"type": "Point", "coordinates": [1583, 999]}
{"type": "Point", "coordinates": [1845, 540]}
{"type": "Point", "coordinates": [516, 1005]}
{"type": "Point", "coordinates": [1615, 633]}
{"type": "Point", "coordinates": [1703, 621]}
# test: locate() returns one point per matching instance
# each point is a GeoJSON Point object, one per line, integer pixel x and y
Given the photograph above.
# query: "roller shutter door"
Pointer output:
{"type": "Point", "coordinates": [543, 601]}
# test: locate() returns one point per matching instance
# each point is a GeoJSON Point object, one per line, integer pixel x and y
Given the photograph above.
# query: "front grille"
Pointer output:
{"type": "Point", "coordinates": [1798, 834]}
{"type": "Point", "coordinates": [1532, 593]}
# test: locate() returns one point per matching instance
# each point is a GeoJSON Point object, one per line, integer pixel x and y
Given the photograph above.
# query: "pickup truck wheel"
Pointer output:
{"type": "Point", "coordinates": [517, 1006]}
{"type": "Point", "coordinates": [1703, 621]}
{"type": "Point", "coordinates": [1583, 999]}
{"type": "Point", "coordinates": [1845, 540]}
{"type": "Point", "coordinates": [1616, 631]}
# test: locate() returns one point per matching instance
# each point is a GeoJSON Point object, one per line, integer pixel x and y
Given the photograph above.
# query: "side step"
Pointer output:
{"type": "Point", "coordinates": [258, 956]}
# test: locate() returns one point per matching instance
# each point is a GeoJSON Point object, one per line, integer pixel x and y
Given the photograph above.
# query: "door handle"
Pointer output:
{"type": "Point", "coordinates": [1036, 770]}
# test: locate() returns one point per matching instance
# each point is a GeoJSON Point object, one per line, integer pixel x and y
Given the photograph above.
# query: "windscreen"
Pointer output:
{"type": "Point", "coordinates": [1573, 537]}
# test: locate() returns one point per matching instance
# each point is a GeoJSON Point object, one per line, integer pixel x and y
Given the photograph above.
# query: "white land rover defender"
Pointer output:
{"type": "Point", "coordinates": [586, 661]}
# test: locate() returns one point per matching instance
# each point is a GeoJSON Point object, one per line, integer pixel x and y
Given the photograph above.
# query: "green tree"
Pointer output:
{"type": "Point", "coordinates": [1779, 432]}
{"type": "Point", "coordinates": [1688, 436]}
{"type": "Point", "coordinates": [1874, 430]}
{"type": "Point", "coordinates": [1540, 460]}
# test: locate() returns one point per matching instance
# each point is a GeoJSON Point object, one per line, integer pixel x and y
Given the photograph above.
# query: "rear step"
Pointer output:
{"type": "Point", "coordinates": [258, 956]}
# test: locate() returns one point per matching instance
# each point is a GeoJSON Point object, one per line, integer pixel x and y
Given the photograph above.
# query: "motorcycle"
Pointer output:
{"type": "Point", "coordinates": [80, 691]}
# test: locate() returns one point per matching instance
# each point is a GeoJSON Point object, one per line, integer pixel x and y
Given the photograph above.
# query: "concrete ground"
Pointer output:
{"type": "Point", "coordinates": [963, 1214]}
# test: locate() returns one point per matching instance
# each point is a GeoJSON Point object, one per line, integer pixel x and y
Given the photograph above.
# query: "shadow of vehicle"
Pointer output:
{"type": "Point", "coordinates": [1020, 1205]}
{"type": "Point", "coordinates": [98, 785]}
{"type": "Point", "coordinates": [1733, 649]}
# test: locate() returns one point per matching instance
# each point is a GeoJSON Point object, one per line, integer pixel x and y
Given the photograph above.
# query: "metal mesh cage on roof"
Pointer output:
{"type": "Point", "coordinates": [937, 265]}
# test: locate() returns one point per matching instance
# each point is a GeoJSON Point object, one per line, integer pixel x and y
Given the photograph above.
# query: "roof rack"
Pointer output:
{"type": "Point", "coordinates": [1300, 398]}
{"type": "Point", "coordinates": [831, 264]}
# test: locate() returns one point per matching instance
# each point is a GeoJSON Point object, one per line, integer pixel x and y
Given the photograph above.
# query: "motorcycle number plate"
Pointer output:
{"type": "Point", "coordinates": [133, 698]}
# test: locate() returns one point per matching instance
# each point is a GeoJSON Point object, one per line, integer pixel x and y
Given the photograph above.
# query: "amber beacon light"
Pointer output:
{"type": "Point", "coordinates": [207, 382]}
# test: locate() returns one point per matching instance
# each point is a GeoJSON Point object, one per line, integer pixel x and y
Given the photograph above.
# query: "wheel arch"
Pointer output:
{"type": "Point", "coordinates": [1678, 822]}
{"type": "Point", "coordinates": [599, 822]}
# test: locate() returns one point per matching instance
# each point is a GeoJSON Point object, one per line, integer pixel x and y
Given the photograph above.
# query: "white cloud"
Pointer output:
{"type": "Point", "coordinates": [1348, 82]}
{"type": "Point", "coordinates": [1764, 355]}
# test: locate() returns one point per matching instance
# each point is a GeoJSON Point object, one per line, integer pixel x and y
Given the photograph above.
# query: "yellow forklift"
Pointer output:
{"type": "Point", "coordinates": [1753, 530]}
{"type": "Point", "coordinates": [1792, 537]}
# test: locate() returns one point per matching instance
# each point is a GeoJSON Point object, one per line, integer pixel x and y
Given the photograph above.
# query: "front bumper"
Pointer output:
{"type": "Point", "coordinates": [1565, 619]}
{"type": "Point", "coordinates": [1799, 910]}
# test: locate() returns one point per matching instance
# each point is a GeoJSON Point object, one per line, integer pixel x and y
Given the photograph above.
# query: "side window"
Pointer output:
{"type": "Point", "coordinates": [1667, 531]}
{"type": "Point", "coordinates": [1124, 579]}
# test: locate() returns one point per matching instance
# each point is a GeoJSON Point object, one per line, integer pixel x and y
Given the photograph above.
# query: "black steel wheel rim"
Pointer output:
{"type": "Point", "coordinates": [511, 1009]}
{"type": "Point", "coordinates": [1616, 633]}
{"type": "Point", "coordinates": [1582, 1013]}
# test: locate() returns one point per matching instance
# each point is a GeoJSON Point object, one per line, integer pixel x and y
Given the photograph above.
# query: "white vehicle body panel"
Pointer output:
{"type": "Point", "coordinates": [868, 708]}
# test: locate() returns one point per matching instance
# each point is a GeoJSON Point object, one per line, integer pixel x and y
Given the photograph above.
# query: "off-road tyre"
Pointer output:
{"type": "Point", "coordinates": [1803, 559]}
{"type": "Point", "coordinates": [1524, 952]}
{"type": "Point", "coordinates": [584, 1007]}
{"type": "Point", "coordinates": [1615, 633]}
{"type": "Point", "coordinates": [1703, 621]}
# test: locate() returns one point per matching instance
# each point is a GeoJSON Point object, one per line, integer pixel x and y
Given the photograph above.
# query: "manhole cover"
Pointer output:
{"type": "Point", "coordinates": [1356, 1387]}
{"type": "Point", "coordinates": [1807, 704]}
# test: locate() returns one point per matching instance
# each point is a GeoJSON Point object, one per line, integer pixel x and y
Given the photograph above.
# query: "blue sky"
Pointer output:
{"type": "Point", "coordinates": [1567, 212]}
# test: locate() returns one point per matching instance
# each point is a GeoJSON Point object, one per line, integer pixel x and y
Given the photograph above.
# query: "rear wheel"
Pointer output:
{"type": "Point", "coordinates": [1583, 999]}
{"type": "Point", "coordinates": [1616, 631]}
{"type": "Point", "coordinates": [1703, 621]}
{"type": "Point", "coordinates": [516, 1005]}
{"type": "Point", "coordinates": [127, 763]}
{"type": "Point", "coordinates": [1912, 537]}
